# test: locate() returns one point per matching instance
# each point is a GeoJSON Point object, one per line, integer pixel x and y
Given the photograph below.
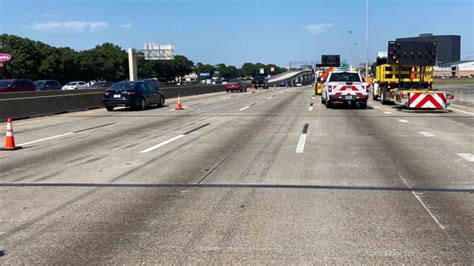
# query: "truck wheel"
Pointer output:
{"type": "Point", "coordinates": [375, 97]}
{"type": "Point", "coordinates": [383, 100]}
{"type": "Point", "coordinates": [109, 108]}
{"type": "Point", "coordinates": [322, 100]}
{"type": "Point", "coordinates": [328, 104]}
{"type": "Point", "coordinates": [363, 105]}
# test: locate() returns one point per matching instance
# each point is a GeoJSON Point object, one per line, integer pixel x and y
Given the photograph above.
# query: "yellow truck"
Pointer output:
{"type": "Point", "coordinates": [405, 78]}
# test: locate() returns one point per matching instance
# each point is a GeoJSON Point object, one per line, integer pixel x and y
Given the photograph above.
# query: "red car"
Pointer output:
{"type": "Point", "coordinates": [235, 85]}
{"type": "Point", "coordinates": [14, 85]}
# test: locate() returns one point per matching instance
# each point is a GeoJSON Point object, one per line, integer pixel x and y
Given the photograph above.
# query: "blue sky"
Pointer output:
{"type": "Point", "coordinates": [238, 31]}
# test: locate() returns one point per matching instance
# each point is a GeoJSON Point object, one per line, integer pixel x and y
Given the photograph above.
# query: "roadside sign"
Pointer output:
{"type": "Point", "coordinates": [272, 69]}
{"type": "Point", "coordinates": [262, 71]}
{"type": "Point", "coordinates": [331, 60]}
{"type": "Point", "coordinates": [5, 57]}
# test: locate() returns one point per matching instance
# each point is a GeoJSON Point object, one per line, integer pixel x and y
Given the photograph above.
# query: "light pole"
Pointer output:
{"type": "Point", "coordinates": [355, 55]}
{"type": "Point", "coordinates": [352, 50]}
{"type": "Point", "coordinates": [367, 38]}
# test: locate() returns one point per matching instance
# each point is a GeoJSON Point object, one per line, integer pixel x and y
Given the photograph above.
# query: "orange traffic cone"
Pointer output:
{"type": "Point", "coordinates": [10, 139]}
{"type": "Point", "coordinates": [179, 106]}
{"type": "Point", "coordinates": [413, 73]}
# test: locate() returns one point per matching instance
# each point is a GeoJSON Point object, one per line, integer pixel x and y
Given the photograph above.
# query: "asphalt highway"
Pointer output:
{"type": "Point", "coordinates": [267, 178]}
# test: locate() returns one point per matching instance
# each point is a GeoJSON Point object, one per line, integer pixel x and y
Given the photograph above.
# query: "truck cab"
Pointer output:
{"type": "Point", "coordinates": [345, 87]}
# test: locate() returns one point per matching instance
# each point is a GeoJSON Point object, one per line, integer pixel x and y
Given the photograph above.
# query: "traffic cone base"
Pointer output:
{"type": "Point", "coordinates": [11, 149]}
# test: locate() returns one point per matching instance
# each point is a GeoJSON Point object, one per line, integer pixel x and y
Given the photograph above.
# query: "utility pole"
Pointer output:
{"type": "Point", "coordinates": [352, 50]}
{"type": "Point", "coordinates": [367, 39]}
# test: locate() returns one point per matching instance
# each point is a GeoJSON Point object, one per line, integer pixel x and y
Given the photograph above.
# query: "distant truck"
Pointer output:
{"type": "Point", "coordinates": [405, 77]}
{"type": "Point", "coordinates": [345, 87]}
{"type": "Point", "coordinates": [260, 81]}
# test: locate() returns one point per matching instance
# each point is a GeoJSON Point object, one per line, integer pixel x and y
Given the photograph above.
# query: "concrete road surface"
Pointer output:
{"type": "Point", "coordinates": [267, 178]}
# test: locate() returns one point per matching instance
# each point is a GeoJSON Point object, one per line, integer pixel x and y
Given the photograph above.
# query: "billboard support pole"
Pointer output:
{"type": "Point", "coordinates": [132, 64]}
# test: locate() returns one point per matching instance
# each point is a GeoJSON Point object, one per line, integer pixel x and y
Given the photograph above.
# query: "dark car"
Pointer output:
{"type": "Point", "coordinates": [135, 94]}
{"type": "Point", "coordinates": [235, 85]}
{"type": "Point", "coordinates": [15, 85]}
{"type": "Point", "coordinates": [101, 85]}
{"type": "Point", "coordinates": [260, 81]}
{"type": "Point", "coordinates": [47, 85]}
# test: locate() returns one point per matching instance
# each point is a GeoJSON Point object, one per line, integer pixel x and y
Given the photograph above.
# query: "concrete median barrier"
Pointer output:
{"type": "Point", "coordinates": [33, 104]}
{"type": "Point", "coordinates": [463, 94]}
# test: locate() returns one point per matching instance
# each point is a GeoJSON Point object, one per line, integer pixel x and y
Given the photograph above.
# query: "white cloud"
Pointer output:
{"type": "Point", "coordinates": [71, 26]}
{"type": "Point", "coordinates": [126, 26]}
{"type": "Point", "coordinates": [318, 28]}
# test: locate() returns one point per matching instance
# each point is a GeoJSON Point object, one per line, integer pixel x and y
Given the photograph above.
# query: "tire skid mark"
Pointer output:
{"type": "Point", "coordinates": [221, 206]}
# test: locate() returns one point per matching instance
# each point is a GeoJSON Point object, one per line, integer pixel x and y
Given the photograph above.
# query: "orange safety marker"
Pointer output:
{"type": "Point", "coordinates": [179, 105]}
{"type": "Point", "coordinates": [9, 138]}
{"type": "Point", "coordinates": [413, 73]}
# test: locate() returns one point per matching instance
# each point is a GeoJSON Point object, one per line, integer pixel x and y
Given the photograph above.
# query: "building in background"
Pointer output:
{"type": "Point", "coordinates": [460, 69]}
{"type": "Point", "coordinates": [448, 49]}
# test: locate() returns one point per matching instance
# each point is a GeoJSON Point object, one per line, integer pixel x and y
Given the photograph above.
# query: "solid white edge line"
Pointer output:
{"type": "Point", "coordinates": [162, 144]}
{"type": "Point", "coordinates": [427, 134]}
{"type": "Point", "coordinates": [301, 143]}
{"type": "Point", "coordinates": [48, 138]}
{"type": "Point", "coordinates": [461, 111]}
{"type": "Point", "coordinates": [466, 156]}
{"type": "Point", "coordinates": [244, 108]}
{"type": "Point", "coordinates": [422, 203]}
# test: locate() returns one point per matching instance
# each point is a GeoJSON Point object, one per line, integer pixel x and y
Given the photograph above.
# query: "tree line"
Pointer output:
{"type": "Point", "coordinates": [37, 60]}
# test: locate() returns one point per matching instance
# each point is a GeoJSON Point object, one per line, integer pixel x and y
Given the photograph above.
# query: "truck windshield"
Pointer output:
{"type": "Point", "coordinates": [345, 76]}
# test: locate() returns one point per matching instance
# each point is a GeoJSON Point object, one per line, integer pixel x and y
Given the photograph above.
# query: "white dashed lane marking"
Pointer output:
{"type": "Point", "coordinates": [162, 144]}
{"type": "Point", "coordinates": [427, 134]}
{"type": "Point", "coordinates": [388, 113]}
{"type": "Point", "coordinates": [48, 138]}
{"type": "Point", "coordinates": [466, 156]}
{"type": "Point", "coordinates": [403, 121]}
{"type": "Point", "coordinates": [302, 141]}
{"type": "Point", "coordinates": [244, 108]}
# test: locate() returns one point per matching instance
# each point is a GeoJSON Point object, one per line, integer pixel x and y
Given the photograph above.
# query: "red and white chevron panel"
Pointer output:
{"type": "Point", "coordinates": [434, 100]}
{"type": "Point", "coordinates": [358, 90]}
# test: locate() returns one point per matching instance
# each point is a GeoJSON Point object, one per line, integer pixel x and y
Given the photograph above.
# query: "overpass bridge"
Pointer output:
{"type": "Point", "coordinates": [292, 77]}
